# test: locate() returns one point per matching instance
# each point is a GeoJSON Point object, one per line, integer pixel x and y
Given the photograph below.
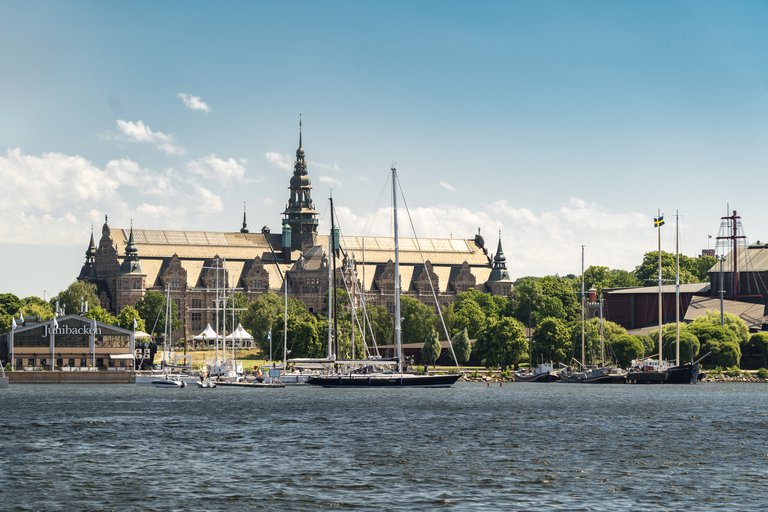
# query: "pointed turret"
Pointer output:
{"type": "Point", "coordinates": [244, 229]}
{"type": "Point", "coordinates": [131, 263]}
{"type": "Point", "coordinates": [300, 214]}
{"type": "Point", "coordinates": [499, 272]}
{"type": "Point", "coordinates": [89, 271]}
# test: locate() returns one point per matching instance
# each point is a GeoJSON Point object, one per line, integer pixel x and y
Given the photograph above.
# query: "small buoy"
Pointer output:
{"type": "Point", "coordinates": [501, 384]}
{"type": "Point", "coordinates": [487, 384]}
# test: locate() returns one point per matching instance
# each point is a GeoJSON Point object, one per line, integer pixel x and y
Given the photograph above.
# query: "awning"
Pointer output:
{"type": "Point", "coordinates": [122, 356]}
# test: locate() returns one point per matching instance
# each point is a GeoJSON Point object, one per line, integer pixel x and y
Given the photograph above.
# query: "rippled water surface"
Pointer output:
{"type": "Point", "coordinates": [471, 447]}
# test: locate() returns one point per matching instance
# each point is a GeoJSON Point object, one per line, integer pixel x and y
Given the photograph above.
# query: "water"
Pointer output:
{"type": "Point", "coordinates": [471, 447]}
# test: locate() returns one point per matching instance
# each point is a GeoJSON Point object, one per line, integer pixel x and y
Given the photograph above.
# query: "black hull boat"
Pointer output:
{"type": "Point", "coordinates": [684, 374]}
{"type": "Point", "coordinates": [542, 377]}
{"type": "Point", "coordinates": [542, 373]}
{"type": "Point", "coordinates": [378, 380]}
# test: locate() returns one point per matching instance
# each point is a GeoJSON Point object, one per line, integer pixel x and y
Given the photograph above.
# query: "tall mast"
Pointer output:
{"type": "Point", "coordinates": [398, 341]}
{"type": "Point", "coordinates": [216, 305]}
{"type": "Point", "coordinates": [659, 223]}
{"type": "Point", "coordinates": [330, 302]}
{"type": "Point", "coordinates": [333, 258]}
{"type": "Point", "coordinates": [583, 333]}
{"type": "Point", "coordinates": [677, 288]}
{"type": "Point", "coordinates": [285, 322]}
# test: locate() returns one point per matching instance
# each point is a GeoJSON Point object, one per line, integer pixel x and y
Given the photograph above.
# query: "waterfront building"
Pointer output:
{"type": "Point", "coordinates": [69, 343]}
{"type": "Point", "coordinates": [194, 266]}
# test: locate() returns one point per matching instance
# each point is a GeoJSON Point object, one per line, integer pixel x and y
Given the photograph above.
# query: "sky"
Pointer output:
{"type": "Point", "coordinates": [555, 123]}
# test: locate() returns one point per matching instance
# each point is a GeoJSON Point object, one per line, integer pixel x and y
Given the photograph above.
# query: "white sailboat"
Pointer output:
{"type": "Point", "coordinates": [388, 379]}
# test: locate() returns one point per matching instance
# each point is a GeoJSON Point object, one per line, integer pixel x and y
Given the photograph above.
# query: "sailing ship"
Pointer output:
{"type": "Point", "coordinates": [591, 374]}
{"type": "Point", "coordinates": [367, 376]}
{"type": "Point", "coordinates": [650, 371]}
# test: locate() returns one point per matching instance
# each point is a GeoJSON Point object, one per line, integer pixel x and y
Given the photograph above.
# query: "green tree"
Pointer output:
{"type": "Point", "coordinates": [551, 341]}
{"type": "Point", "coordinates": [700, 266]}
{"type": "Point", "coordinates": [758, 343]}
{"type": "Point", "coordinates": [70, 298]}
{"type": "Point", "coordinates": [648, 271]}
{"type": "Point", "coordinates": [261, 316]}
{"type": "Point", "coordinates": [720, 341]}
{"type": "Point", "coordinates": [303, 336]}
{"type": "Point", "coordinates": [380, 322]}
{"type": "Point", "coordinates": [126, 317]}
{"type": "Point", "coordinates": [466, 315]}
{"type": "Point", "coordinates": [503, 343]}
{"type": "Point", "coordinates": [461, 346]}
{"type": "Point", "coordinates": [536, 298]}
{"type": "Point", "coordinates": [100, 314]}
{"type": "Point", "coordinates": [600, 278]}
{"type": "Point", "coordinates": [9, 304]}
{"type": "Point", "coordinates": [625, 348]}
{"type": "Point", "coordinates": [42, 311]}
{"type": "Point", "coordinates": [151, 309]}
{"type": "Point", "coordinates": [689, 343]}
{"type": "Point", "coordinates": [418, 319]}
{"type": "Point", "coordinates": [730, 321]}
{"type": "Point", "coordinates": [431, 349]}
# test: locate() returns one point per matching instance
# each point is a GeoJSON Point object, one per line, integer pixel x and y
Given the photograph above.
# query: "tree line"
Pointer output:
{"type": "Point", "coordinates": [538, 322]}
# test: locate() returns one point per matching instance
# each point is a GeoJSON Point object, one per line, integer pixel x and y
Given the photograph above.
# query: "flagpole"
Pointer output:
{"type": "Point", "coordinates": [660, 222]}
{"type": "Point", "coordinates": [10, 340]}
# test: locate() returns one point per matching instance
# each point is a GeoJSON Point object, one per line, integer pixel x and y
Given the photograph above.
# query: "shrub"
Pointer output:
{"type": "Point", "coordinates": [762, 373]}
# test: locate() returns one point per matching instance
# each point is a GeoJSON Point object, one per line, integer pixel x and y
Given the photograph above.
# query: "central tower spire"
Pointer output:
{"type": "Point", "coordinates": [300, 214]}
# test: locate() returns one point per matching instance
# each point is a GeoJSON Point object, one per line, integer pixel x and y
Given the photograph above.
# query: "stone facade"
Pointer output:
{"type": "Point", "coordinates": [194, 267]}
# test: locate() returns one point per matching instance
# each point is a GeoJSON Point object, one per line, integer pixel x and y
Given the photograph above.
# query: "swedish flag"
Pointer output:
{"type": "Point", "coordinates": [658, 221]}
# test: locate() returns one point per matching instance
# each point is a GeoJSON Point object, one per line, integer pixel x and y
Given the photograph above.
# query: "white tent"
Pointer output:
{"type": "Point", "coordinates": [207, 335]}
{"type": "Point", "coordinates": [141, 335]}
{"type": "Point", "coordinates": [239, 335]}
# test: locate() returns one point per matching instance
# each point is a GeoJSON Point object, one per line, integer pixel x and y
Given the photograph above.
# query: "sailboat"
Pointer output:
{"type": "Point", "coordinates": [388, 379]}
{"type": "Point", "coordinates": [650, 371]}
{"type": "Point", "coordinates": [595, 374]}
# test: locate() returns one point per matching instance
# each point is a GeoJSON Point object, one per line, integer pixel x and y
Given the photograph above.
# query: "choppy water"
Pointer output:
{"type": "Point", "coordinates": [471, 447]}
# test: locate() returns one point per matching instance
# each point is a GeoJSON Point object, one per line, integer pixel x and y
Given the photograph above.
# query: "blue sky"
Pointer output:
{"type": "Point", "coordinates": [561, 123]}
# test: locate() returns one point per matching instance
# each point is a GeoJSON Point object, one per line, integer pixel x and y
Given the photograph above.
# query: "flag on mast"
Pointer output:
{"type": "Point", "coordinates": [55, 323]}
{"type": "Point", "coordinates": [13, 323]}
{"type": "Point", "coordinates": [658, 221]}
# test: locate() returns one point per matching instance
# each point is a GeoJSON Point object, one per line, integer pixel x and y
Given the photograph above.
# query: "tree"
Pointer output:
{"type": "Point", "coordinates": [758, 343]}
{"type": "Point", "coordinates": [551, 341]}
{"type": "Point", "coordinates": [126, 317]}
{"type": "Point", "coordinates": [625, 348]}
{"type": "Point", "coordinates": [689, 343]}
{"type": "Point", "coordinates": [461, 346]}
{"type": "Point", "coordinates": [303, 336]}
{"type": "Point", "coordinates": [600, 278]}
{"type": "Point", "coordinates": [503, 343]}
{"type": "Point", "coordinates": [380, 322]}
{"type": "Point", "coordinates": [418, 319]}
{"type": "Point", "coordinates": [431, 349]}
{"type": "Point", "coordinates": [9, 304]}
{"type": "Point", "coordinates": [700, 266]}
{"type": "Point", "coordinates": [70, 298]}
{"type": "Point", "coordinates": [261, 316]}
{"type": "Point", "coordinates": [720, 341]}
{"type": "Point", "coordinates": [151, 309]}
{"type": "Point", "coordinates": [42, 311]}
{"type": "Point", "coordinates": [730, 321]}
{"type": "Point", "coordinates": [536, 298]}
{"type": "Point", "coordinates": [100, 314]}
{"type": "Point", "coordinates": [466, 315]}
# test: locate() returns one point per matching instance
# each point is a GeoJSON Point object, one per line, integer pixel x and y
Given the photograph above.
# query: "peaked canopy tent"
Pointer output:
{"type": "Point", "coordinates": [240, 336]}
{"type": "Point", "coordinates": [207, 335]}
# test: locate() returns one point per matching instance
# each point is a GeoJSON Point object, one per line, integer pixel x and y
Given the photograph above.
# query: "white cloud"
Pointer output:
{"type": "Point", "coordinates": [325, 167]}
{"type": "Point", "coordinates": [214, 168]}
{"type": "Point", "coordinates": [193, 102]}
{"type": "Point", "coordinates": [139, 132]}
{"type": "Point", "coordinates": [535, 243]}
{"type": "Point", "coordinates": [206, 201]}
{"type": "Point", "coordinates": [279, 160]}
{"type": "Point", "coordinates": [328, 180]}
{"type": "Point", "coordinates": [447, 186]}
